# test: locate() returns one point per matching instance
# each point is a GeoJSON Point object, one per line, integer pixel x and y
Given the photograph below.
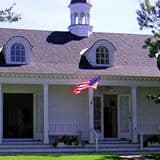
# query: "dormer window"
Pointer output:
{"type": "Point", "coordinates": [99, 55]}
{"type": "Point", "coordinates": [102, 55]}
{"type": "Point", "coordinates": [17, 53]}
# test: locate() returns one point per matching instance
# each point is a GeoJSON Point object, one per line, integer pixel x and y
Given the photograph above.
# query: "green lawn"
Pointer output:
{"type": "Point", "coordinates": [62, 157]}
{"type": "Point", "coordinates": [79, 157]}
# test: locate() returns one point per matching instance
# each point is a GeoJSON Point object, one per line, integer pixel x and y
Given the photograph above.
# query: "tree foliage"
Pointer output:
{"type": "Point", "coordinates": [148, 17]}
{"type": "Point", "coordinates": [155, 98]}
{"type": "Point", "coordinates": [7, 15]}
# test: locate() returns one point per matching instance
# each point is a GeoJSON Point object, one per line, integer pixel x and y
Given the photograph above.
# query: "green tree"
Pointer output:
{"type": "Point", "coordinates": [148, 17]}
{"type": "Point", "coordinates": [7, 15]}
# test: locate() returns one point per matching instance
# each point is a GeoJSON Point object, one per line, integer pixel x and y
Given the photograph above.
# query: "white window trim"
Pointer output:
{"type": "Point", "coordinates": [25, 43]}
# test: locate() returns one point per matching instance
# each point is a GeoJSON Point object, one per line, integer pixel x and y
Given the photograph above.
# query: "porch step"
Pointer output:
{"type": "Point", "coordinates": [106, 146]}
{"type": "Point", "coordinates": [49, 149]}
{"type": "Point", "coordinates": [118, 145]}
{"type": "Point", "coordinates": [21, 141]}
{"type": "Point", "coordinates": [44, 150]}
{"type": "Point", "coordinates": [113, 141]}
{"type": "Point", "coordinates": [115, 145]}
{"type": "Point", "coordinates": [25, 146]}
{"type": "Point", "coordinates": [11, 147]}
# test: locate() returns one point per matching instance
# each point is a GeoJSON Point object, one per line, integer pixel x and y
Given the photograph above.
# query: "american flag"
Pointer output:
{"type": "Point", "coordinates": [85, 85]}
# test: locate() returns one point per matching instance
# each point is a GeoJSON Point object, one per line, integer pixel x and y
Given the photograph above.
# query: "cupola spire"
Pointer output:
{"type": "Point", "coordinates": [80, 18]}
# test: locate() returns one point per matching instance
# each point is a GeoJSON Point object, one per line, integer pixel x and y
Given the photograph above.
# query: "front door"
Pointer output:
{"type": "Point", "coordinates": [18, 115]}
{"type": "Point", "coordinates": [110, 116]}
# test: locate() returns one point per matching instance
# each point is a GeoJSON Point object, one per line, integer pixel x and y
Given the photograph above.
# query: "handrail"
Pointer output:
{"type": "Point", "coordinates": [96, 138]}
{"type": "Point", "coordinates": [141, 137]}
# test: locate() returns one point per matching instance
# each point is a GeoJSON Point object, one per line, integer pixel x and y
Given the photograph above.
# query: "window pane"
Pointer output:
{"type": "Point", "coordinates": [17, 46]}
{"type": "Point", "coordinates": [23, 59]}
{"type": "Point", "coordinates": [18, 59]}
{"type": "Point", "coordinates": [97, 114]}
{"type": "Point", "coordinates": [102, 61]}
{"type": "Point", "coordinates": [97, 61]}
{"type": "Point", "coordinates": [17, 53]}
{"type": "Point", "coordinates": [102, 55]}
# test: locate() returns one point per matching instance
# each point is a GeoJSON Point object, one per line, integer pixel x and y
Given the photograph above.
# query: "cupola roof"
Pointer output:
{"type": "Point", "coordinates": [80, 1]}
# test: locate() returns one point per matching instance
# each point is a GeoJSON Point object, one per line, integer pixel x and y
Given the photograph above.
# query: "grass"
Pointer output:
{"type": "Point", "coordinates": [63, 157]}
{"type": "Point", "coordinates": [79, 157]}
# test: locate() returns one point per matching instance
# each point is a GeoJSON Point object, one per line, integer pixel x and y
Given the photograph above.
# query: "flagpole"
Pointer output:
{"type": "Point", "coordinates": [91, 115]}
{"type": "Point", "coordinates": [92, 96]}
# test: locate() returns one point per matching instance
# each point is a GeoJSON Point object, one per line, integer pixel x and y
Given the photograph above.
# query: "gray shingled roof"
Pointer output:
{"type": "Point", "coordinates": [59, 53]}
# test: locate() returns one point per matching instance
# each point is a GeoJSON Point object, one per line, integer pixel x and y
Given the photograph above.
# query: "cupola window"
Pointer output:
{"type": "Point", "coordinates": [17, 53]}
{"type": "Point", "coordinates": [83, 18]}
{"type": "Point", "coordinates": [76, 18]}
{"type": "Point", "coordinates": [102, 55]}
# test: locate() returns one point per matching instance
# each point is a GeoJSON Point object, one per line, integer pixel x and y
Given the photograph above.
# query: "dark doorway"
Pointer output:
{"type": "Point", "coordinates": [18, 115]}
{"type": "Point", "coordinates": [110, 116]}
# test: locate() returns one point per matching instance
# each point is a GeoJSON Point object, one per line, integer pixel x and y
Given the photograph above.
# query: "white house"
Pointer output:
{"type": "Point", "coordinates": [39, 69]}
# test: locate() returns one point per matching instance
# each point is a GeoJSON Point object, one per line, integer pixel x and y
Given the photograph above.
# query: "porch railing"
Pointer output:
{"type": "Point", "coordinates": [96, 138]}
{"type": "Point", "coordinates": [147, 128]}
{"type": "Point", "coordinates": [64, 128]}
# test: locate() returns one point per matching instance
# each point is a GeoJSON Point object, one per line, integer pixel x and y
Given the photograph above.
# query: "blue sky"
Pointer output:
{"type": "Point", "coordinates": [116, 16]}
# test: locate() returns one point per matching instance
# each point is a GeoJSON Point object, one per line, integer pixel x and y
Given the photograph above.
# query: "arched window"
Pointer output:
{"type": "Point", "coordinates": [17, 53]}
{"type": "Point", "coordinates": [75, 18]}
{"type": "Point", "coordinates": [102, 55]}
{"type": "Point", "coordinates": [83, 18]}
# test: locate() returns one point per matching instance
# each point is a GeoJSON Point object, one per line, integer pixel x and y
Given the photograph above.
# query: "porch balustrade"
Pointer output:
{"type": "Point", "coordinates": [148, 128]}
{"type": "Point", "coordinates": [64, 128]}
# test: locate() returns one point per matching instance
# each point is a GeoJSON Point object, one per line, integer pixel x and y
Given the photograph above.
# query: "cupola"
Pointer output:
{"type": "Point", "coordinates": [80, 18]}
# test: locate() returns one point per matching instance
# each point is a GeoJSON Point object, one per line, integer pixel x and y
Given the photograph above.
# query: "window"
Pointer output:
{"type": "Point", "coordinates": [76, 18]}
{"type": "Point", "coordinates": [17, 53]}
{"type": "Point", "coordinates": [102, 55]}
{"type": "Point", "coordinates": [83, 18]}
{"type": "Point", "coordinates": [97, 113]}
{"type": "Point", "coordinates": [124, 113]}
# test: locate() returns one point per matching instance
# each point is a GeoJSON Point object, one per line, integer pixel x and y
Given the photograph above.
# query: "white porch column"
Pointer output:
{"type": "Point", "coordinates": [1, 114]}
{"type": "Point", "coordinates": [46, 121]}
{"type": "Point", "coordinates": [91, 115]}
{"type": "Point", "coordinates": [134, 113]}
